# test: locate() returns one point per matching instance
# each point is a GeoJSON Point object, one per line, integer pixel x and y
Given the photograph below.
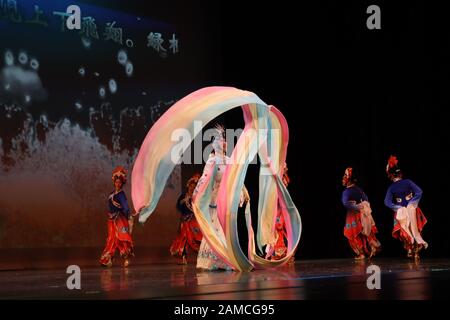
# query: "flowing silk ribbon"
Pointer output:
{"type": "Point", "coordinates": [265, 134]}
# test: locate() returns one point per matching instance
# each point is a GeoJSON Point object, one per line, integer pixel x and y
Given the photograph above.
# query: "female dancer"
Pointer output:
{"type": "Point", "coordinates": [189, 233]}
{"type": "Point", "coordinates": [403, 198]}
{"type": "Point", "coordinates": [119, 233]}
{"type": "Point", "coordinates": [207, 259]}
{"type": "Point", "coordinates": [359, 227]}
{"type": "Point", "coordinates": [280, 249]}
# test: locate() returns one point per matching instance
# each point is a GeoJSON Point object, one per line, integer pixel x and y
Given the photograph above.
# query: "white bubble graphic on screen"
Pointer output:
{"type": "Point", "coordinates": [34, 64]}
{"type": "Point", "coordinates": [96, 74]}
{"type": "Point", "coordinates": [9, 58]}
{"type": "Point", "coordinates": [144, 93]}
{"type": "Point", "coordinates": [122, 57]}
{"type": "Point", "coordinates": [86, 42]}
{"type": "Point", "coordinates": [112, 86]}
{"type": "Point", "coordinates": [102, 92]}
{"type": "Point", "coordinates": [81, 71]}
{"type": "Point", "coordinates": [129, 69]}
{"type": "Point", "coordinates": [78, 105]}
{"type": "Point", "coordinates": [23, 58]}
{"type": "Point", "coordinates": [19, 77]}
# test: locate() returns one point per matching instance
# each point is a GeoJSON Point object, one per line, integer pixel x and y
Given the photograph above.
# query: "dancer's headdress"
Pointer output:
{"type": "Point", "coordinates": [392, 168]}
{"type": "Point", "coordinates": [193, 180]}
{"type": "Point", "coordinates": [119, 173]}
{"type": "Point", "coordinates": [350, 174]}
{"type": "Point", "coordinates": [219, 139]}
{"type": "Point", "coordinates": [285, 177]}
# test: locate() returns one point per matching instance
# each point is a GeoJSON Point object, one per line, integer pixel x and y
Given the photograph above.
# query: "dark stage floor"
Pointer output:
{"type": "Point", "coordinates": [313, 279]}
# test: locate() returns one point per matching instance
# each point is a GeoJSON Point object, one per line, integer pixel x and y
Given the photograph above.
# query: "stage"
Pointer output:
{"type": "Point", "coordinates": [307, 279]}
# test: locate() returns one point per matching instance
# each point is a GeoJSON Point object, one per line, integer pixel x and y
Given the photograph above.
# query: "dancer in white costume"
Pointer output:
{"type": "Point", "coordinates": [207, 259]}
{"type": "Point", "coordinates": [159, 154]}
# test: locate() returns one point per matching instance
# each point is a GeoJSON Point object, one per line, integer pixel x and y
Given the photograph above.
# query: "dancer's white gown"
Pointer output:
{"type": "Point", "coordinates": [207, 259]}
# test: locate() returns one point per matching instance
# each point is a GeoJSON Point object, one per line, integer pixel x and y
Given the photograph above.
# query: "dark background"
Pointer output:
{"type": "Point", "coordinates": [351, 96]}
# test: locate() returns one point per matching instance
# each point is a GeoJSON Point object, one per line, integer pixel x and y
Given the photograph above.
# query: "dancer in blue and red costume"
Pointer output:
{"type": "Point", "coordinates": [403, 197]}
{"type": "Point", "coordinates": [119, 223]}
{"type": "Point", "coordinates": [189, 233]}
{"type": "Point", "coordinates": [360, 228]}
{"type": "Point", "coordinates": [280, 249]}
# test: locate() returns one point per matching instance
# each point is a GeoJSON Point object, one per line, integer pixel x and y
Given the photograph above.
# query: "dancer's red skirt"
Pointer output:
{"type": "Point", "coordinates": [119, 237]}
{"type": "Point", "coordinates": [399, 233]}
{"type": "Point", "coordinates": [189, 235]}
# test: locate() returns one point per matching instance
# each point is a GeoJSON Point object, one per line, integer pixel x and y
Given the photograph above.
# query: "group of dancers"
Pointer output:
{"type": "Point", "coordinates": [403, 197]}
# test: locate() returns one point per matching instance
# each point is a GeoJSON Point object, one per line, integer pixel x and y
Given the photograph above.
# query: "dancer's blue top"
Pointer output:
{"type": "Point", "coordinates": [117, 203]}
{"type": "Point", "coordinates": [401, 193]}
{"type": "Point", "coordinates": [353, 196]}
